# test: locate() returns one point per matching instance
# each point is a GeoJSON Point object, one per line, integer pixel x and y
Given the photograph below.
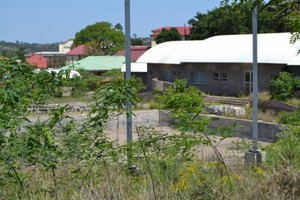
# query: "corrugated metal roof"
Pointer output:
{"type": "Point", "coordinates": [272, 48]}
{"type": "Point", "coordinates": [38, 61]}
{"type": "Point", "coordinates": [98, 63]}
{"type": "Point", "coordinates": [136, 52]}
{"type": "Point", "coordinates": [77, 51]}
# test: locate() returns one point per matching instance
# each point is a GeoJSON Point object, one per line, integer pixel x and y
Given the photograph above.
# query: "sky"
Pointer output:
{"type": "Point", "coordinates": [47, 21]}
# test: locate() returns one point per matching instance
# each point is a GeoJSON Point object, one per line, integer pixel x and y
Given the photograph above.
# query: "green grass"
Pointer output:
{"type": "Point", "coordinates": [294, 101]}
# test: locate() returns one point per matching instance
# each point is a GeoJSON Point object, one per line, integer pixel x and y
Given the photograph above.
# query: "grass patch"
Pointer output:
{"type": "Point", "coordinates": [294, 101]}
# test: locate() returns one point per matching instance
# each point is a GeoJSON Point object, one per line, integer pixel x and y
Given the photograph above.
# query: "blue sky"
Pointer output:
{"type": "Point", "coordinates": [44, 21]}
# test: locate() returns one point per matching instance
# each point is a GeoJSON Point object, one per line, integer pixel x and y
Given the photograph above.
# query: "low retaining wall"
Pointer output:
{"type": "Point", "coordinates": [266, 131]}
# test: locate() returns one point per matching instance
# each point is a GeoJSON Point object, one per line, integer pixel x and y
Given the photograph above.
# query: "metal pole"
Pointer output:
{"type": "Point", "coordinates": [128, 76]}
{"type": "Point", "coordinates": [255, 80]}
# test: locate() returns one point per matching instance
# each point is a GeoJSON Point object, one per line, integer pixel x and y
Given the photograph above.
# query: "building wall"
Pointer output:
{"type": "Point", "coordinates": [65, 47]}
{"type": "Point", "coordinates": [72, 59]}
{"type": "Point", "coordinates": [229, 81]}
{"type": "Point", "coordinates": [294, 69]}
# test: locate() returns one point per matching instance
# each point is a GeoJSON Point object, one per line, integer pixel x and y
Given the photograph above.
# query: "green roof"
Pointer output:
{"type": "Point", "coordinates": [98, 63]}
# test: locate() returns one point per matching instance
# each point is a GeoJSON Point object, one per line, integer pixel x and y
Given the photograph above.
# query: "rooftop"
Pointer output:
{"type": "Point", "coordinates": [98, 63]}
{"type": "Point", "coordinates": [273, 48]}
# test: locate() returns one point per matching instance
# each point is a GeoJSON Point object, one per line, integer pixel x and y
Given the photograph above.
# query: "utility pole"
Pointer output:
{"type": "Point", "coordinates": [128, 77]}
{"type": "Point", "coordinates": [255, 81]}
{"type": "Point", "coordinates": [254, 156]}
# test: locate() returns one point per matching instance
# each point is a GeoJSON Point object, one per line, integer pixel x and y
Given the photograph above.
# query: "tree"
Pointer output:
{"type": "Point", "coordinates": [136, 42]}
{"type": "Point", "coordinates": [168, 35]}
{"type": "Point", "coordinates": [102, 38]}
{"type": "Point", "coordinates": [21, 53]}
{"type": "Point", "coordinates": [225, 20]}
{"type": "Point", "coordinates": [118, 27]}
{"type": "Point", "coordinates": [286, 12]}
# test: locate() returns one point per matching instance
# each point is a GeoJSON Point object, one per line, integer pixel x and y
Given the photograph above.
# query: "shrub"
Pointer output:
{"type": "Point", "coordinates": [292, 118]}
{"type": "Point", "coordinates": [282, 87]}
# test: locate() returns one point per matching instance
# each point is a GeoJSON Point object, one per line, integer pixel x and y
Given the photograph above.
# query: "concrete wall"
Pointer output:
{"type": "Point", "coordinates": [160, 85]}
{"type": "Point", "coordinates": [235, 75]}
{"type": "Point", "coordinates": [266, 131]}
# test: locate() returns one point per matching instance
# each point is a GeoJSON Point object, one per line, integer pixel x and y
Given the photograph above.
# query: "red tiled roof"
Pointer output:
{"type": "Point", "coordinates": [37, 60]}
{"type": "Point", "coordinates": [77, 51]}
{"type": "Point", "coordinates": [182, 30]}
{"type": "Point", "coordinates": [136, 52]}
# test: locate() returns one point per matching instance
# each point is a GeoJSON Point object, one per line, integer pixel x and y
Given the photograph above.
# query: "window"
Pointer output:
{"type": "Point", "coordinates": [224, 77]}
{"type": "Point", "coordinates": [150, 72]}
{"type": "Point", "coordinates": [198, 77]}
{"type": "Point", "coordinates": [215, 76]}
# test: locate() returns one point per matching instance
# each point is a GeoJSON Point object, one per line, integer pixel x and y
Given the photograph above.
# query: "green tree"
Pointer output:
{"type": "Point", "coordinates": [225, 20]}
{"type": "Point", "coordinates": [286, 12]}
{"type": "Point", "coordinates": [21, 53]}
{"type": "Point", "coordinates": [136, 42]}
{"type": "Point", "coordinates": [168, 35]}
{"type": "Point", "coordinates": [118, 27]}
{"type": "Point", "coordinates": [102, 38]}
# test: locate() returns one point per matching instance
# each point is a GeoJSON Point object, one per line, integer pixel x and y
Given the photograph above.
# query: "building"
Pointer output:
{"type": "Point", "coordinates": [54, 59]}
{"type": "Point", "coordinates": [182, 30]}
{"type": "Point", "coordinates": [139, 70]}
{"type": "Point", "coordinates": [221, 65]}
{"type": "Point", "coordinates": [65, 47]}
{"type": "Point", "coordinates": [136, 52]}
{"type": "Point", "coordinates": [76, 54]}
{"type": "Point", "coordinates": [38, 61]}
{"type": "Point", "coordinates": [98, 64]}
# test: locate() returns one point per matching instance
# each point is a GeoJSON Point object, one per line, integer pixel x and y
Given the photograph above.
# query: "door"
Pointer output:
{"type": "Point", "coordinates": [248, 82]}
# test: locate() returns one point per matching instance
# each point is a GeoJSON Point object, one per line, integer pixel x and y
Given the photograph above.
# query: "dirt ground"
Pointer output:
{"type": "Point", "coordinates": [232, 149]}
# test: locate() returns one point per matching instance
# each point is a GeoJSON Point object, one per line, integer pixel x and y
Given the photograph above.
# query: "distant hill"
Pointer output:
{"type": "Point", "coordinates": [11, 49]}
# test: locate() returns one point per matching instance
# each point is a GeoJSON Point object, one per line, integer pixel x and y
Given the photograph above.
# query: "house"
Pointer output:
{"type": "Point", "coordinates": [65, 47]}
{"type": "Point", "coordinates": [76, 54]}
{"type": "Point", "coordinates": [136, 52]}
{"type": "Point", "coordinates": [38, 61]}
{"type": "Point", "coordinates": [98, 64]}
{"type": "Point", "coordinates": [55, 59]}
{"type": "Point", "coordinates": [182, 30]}
{"type": "Point", "coordinates": [221, 65]}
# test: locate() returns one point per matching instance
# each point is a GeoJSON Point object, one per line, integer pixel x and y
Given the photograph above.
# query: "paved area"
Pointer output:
{"type": "Point", "coordinates": [231, 149]}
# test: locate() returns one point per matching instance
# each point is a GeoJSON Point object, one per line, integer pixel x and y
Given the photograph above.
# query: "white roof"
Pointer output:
{"type": "Point", "coordinates": [295, 60]}
{"type": "Point", "coordinates": [273, 48]}
{"type": "Point", "coordinates": [135, 67]}
{"type": "Point", "coordinates": [168, 52]}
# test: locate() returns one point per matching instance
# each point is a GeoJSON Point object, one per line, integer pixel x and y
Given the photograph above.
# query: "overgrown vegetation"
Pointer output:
{"type": "Point", "coordinates": [284, 86]}
{"type": "Point", "coordinates": [59, 158]}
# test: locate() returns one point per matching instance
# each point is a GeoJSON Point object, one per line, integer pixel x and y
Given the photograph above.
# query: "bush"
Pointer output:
{"type": "Point", "coordinates": [283, 87]}
{"type": "Point", "coordinates": [292, 118]}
